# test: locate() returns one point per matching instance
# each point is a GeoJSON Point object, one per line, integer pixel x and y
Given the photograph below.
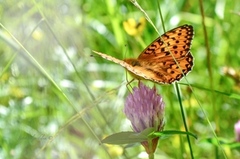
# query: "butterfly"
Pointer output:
{"type": "Point", "coordinates": [166, 60]}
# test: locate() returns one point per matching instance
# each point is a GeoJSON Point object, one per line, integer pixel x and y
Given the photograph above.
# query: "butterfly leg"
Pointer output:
{"type": "Point", "coordinates": [129, 84]}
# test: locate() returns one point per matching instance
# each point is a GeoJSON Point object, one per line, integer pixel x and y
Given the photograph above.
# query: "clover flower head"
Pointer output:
{"type": "Point", "coordinates": [145, 109]}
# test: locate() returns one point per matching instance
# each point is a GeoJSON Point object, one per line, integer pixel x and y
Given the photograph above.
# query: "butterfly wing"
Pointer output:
{"type": "Point", "coordinates": [158, 58]}
{"type": "Point", "coordinates": [117, 61]}
{"type": "Point", "coordinates": [156, 63]}
{"type": "Point", "coordinates": [177, 41]}
{"type": "Point", "coordinates": [138, 71]}
{"type": "Point", "coordinates": [161, 72]}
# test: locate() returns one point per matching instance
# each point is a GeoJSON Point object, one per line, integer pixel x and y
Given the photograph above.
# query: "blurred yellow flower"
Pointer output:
{"type": "Point", "coordinates": [134, 28]}
{"type": "Point", "coordinates": [115, 150]}
{"type": "Point", "coordinates": [17, 92]}
{"type": "Point", "coordinates": [37, 35]}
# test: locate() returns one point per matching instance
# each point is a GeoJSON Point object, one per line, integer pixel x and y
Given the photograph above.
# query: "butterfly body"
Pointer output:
{"type": "Point", "coordinates": [165, 60]}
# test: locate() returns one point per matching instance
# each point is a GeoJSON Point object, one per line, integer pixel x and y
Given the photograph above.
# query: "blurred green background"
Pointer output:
{"type": "Point", "coordinates": [58, 101]}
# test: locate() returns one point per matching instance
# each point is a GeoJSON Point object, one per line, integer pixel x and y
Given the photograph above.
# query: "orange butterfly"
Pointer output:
{"type": "Point", "coordinates": [167, 59]}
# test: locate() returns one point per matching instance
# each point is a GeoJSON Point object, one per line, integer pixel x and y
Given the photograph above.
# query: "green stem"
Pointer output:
{"type": "Point", "coordinates": [151, 156]}
{"type": "Point", "coordinates": [184, 118]}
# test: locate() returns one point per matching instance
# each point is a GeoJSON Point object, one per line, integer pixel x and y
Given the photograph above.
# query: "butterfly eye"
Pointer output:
{"type": "Point", "coordinates": [133, 62]}
{"type": "Point", "coordinates": [136, 63]}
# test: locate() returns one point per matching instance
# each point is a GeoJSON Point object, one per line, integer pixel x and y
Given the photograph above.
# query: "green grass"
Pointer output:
{"type": "Point", "coordinates": [57, 101]}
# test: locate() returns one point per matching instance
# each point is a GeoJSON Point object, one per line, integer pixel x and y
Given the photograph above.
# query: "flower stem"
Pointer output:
{"type": "Point", "coordinates": [151, 156]}
{"type": "Point", "coordinates": [151, 152]}
{"type": "Point", "coordinates": [184, 119]}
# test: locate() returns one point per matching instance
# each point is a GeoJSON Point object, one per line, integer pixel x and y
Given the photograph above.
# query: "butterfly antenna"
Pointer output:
{"type": "Point", "coordinates": [126, 49]}
{"type": "Point", "coordinates": [128, 82]}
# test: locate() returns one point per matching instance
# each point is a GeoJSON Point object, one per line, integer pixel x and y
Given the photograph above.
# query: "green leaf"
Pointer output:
{"type": "Point", "coordinates": [230, 95]}
{"type": "Point", "coordinates": [222, 141]}
{"type": "Point", "coordinates": [167, 133]}
{"type": "Point", "coordinates": [128, 137]}
{"type": "Point", "coordinates": [233, 95]}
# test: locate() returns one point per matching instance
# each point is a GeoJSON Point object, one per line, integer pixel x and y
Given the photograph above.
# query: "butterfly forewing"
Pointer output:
{"type": "Point", "coordinates": [139, 72]}
{"type": "Point", "coordinates": [177, 41]}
